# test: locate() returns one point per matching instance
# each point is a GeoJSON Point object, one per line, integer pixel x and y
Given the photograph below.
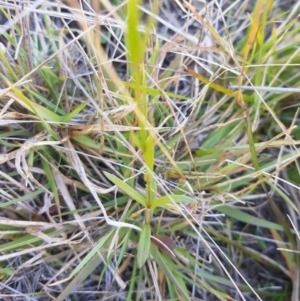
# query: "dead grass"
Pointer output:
{"type": "Point", "coordinates": [151, 152]}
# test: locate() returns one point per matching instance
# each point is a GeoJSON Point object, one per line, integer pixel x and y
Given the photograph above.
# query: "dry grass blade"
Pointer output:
{"type": "Point", "coordinates": [149, 150]}
{"type": "Point", "coordinates": [78, 166]}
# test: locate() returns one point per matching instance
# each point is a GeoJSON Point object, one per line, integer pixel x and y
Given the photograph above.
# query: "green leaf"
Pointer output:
{"type": "Point", "coordinates": [86, 141]}
{"type": "Point", "coordinates": [149, 153]}
{"type": "Point", "coordinates": [25, 197]}
{"type": "Point", "coordinates": [144, 245]}
{"type": "Point", "coordinates": [46, 103]}
{"type": "Point", "coordinates": [41, 112]}
{"type": "Point", "coordinates": [167, 199]}
{"type": "Point", "coordinates": [91, 262]}
{"type": "Point", "coordinates": [206, 152]}
{"type": "Point", "coordinates": [46, 113]}
{"type": "Point", "coordinates": [90, 255]}
{"type": "Point", "coordinates": [215, 86]}
{"type": "Point", "coordinates": [152, 91]}
{"type": "Point", "coordinates": [127, 189]}
{"type": "Point", "coordinates": [247, 218]}
{"type": "Point", "coordinates": [136, 141]}
{"type": "Point", "coordinates": [51, 80]}
{"type": "Point", "coordinates": [76, 111]}
{"type": "Point", "coordinates": [51, 180]}
{"type": "Point", "coordinates": [6, 272]}
{"type": "Point", "coordinates": [165, 263]}
{"type": "Point", "coordinates": [135, 47]}
{"type": "Point", "coordinates": [29, 240]}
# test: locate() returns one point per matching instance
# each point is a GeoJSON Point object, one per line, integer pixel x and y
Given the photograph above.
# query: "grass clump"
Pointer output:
{"type": "Point", "coordinates": [149, 151]}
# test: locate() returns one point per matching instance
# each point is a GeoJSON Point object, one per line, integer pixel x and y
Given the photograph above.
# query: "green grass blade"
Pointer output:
{"type": "Point", "coordinates": [247, 218]}
{"type": "Point", "coordinates": [75, 112]}
{"type": "Point", "coordinates": [127, 189]}
{"type": "Point", "coordinates": [167, 269]}
{"type": "Point", "coordinates": [144, 245]}
{"type": "Point", "coordinates": [90, 255]}
{"type": "Point", "coordinates": [167, 199]}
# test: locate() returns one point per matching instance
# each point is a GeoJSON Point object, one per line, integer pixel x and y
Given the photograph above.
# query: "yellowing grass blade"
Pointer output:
{"type": "Point", "coordinates": [213, 85]}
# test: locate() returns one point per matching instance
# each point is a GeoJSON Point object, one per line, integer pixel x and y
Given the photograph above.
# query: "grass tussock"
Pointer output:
{"type": "Point", "coordinates": [149, 150]}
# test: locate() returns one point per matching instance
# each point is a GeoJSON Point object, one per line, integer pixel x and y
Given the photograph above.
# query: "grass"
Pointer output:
{"type": "Point", "coordinates": [151, 153]}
